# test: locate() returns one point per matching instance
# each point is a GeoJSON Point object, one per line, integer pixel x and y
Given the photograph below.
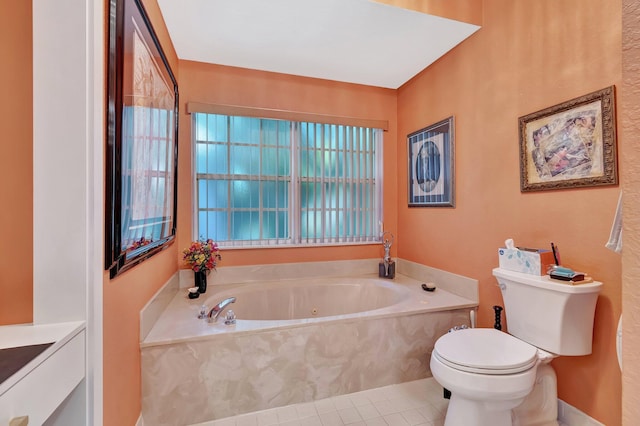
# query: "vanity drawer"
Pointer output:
{"type": "Point", "coordinates": [42, 390]}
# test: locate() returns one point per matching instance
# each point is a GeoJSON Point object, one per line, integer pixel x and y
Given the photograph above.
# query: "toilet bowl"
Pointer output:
{"type": "Point", "coordinates": [488, 372]}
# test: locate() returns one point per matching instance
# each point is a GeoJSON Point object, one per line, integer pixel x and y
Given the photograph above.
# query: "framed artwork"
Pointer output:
{"type": "Point", "coordinates": [431, 156]}
{"type": "Point", "coordinates": [142, 134]}
{"type": "Point", "coordinates": [570, 145]}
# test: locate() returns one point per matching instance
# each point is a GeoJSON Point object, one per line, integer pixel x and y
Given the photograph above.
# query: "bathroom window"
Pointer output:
{"type": "Point", "coordinates": [276, 182]}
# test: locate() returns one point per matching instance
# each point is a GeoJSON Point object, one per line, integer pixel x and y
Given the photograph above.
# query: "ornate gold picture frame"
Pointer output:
{"type": "Point", "coordinates": [570, 145]}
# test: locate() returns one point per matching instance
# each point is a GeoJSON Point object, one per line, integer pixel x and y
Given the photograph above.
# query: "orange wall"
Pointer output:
{"type": "Point", "coordinates": [527, 56]}
{"type": "Point", "coordinates": [16, 169]}
{"type": "Point", "coordinates": [469, 11]}
{"type": "Point", "coordinates": [236, 86]}
{"type": "Point", "coordinates": [124, 297]}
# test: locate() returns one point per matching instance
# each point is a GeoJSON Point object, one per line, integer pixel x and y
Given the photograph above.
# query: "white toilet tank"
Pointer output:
{"type": "Point", "coordinates": [548, 314]}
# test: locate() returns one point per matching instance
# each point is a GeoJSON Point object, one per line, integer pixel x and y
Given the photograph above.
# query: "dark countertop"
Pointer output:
{"type": "Point", "coordinates": [13, 359]}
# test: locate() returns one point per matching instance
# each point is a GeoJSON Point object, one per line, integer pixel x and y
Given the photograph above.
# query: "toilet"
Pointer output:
{"type": "Point", "coordinates": [504, 379]}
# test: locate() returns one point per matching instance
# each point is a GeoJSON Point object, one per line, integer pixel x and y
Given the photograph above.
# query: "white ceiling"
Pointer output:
{"type": "Point", "coordinates": [355, 41]}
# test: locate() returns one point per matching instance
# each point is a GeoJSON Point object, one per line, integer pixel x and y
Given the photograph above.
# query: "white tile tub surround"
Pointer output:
{"type": "Point", "coordinates": [288, 271]}
{"type": "Point", "coordinates": [225, 375]}
{"type": "Point", "coordinates": [193, 371]}
{"type": "Point", "coordinates": [453, 283]}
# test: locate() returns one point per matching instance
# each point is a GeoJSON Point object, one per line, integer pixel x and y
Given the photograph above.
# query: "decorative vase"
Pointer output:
{"type": "Point", "coordinates": [201, 281]}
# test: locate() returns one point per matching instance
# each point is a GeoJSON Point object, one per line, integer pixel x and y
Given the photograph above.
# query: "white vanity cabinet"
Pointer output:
{"type": "Point", "coordinates": [38, 388]}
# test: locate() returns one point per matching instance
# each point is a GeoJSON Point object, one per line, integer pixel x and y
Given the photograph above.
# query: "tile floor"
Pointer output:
{"type": "Point", "coordinates": [408, 404]}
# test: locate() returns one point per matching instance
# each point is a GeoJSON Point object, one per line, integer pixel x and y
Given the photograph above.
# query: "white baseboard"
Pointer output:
{"type": "Point", "coordinates": [568, 415]}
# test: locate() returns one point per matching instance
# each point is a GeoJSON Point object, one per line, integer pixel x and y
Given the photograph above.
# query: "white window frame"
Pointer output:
{"type": "Point", "coordinates": [295, 239]}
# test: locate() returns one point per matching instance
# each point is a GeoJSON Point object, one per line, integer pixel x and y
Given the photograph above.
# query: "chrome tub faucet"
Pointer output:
{"type": "Point", "coordinates": [215, 312]}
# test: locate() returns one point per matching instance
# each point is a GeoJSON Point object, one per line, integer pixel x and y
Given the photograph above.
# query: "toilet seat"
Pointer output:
{"type": "Point", "coordinates": [485, 351]}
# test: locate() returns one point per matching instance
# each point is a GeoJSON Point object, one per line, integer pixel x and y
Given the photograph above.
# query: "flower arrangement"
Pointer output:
{"type": "Point", "coordinates": [202, 255]}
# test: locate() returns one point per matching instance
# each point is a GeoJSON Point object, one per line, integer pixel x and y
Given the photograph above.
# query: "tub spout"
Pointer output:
{"type": "Point", "coordinates": [215, 312]}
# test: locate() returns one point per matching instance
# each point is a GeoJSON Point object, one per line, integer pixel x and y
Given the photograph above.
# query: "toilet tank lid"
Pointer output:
{"type": "Point", "coordinates": [543, 281]}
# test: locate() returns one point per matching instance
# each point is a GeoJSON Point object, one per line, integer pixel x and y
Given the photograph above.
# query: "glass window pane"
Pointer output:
{"type": "Point", "coordinates": [269, 161]}
{"type": "Point", "coordinates": [245, 225]}
{"type": "Point", "coordinates": [200, 126]}
{"type": "Point", "coordinates": [216, 159]}
{"type": "Point", "coordinates": [311, 222]}
{"type": "Point", "coordinates": [304, 194]}
{"type": "Point", "coordinates": [245, 194]}
{"type": "Point", "coordinates": [283, 195]}
{"type": "Point", "coordinates": [245, 160]}
{"type": "Point", "coordinates": [330, 137]}
{"type": "Point", "coordinates": [284, 162]}
{"type": "Point", "coordinates": [304, 163]}
{"type": "Point", "coordinates": [340, 137]}
{"type": "Point", "coordinates": [340, 164]}
{"type": "Point", "coordinates": [270, 132]}
{"type": "Point", "coordinates": [269, 225]}
{"type": "Point", "coordinates": [331, 221]}
{"type": "Point", "coordinates": [284, 133]}
{"type": "Point", "coordinates": [215, 194]}
{"type": "Point", "coordinates": [201, 158]}
{"type": "Point", "coordinates": [310, 194]}
{"type": "Point", "coordinates": [306, 135]}
{"type": "Point", "coordinates": [222, 126]}
{"type": "Point", "coordinates": [244, 130]}
{"type": "Point", "coordinates": [219, 226]}
{"type": "Point", "coordinates": [202, 194]}
{"type": "Point", "coordinates": [318, 136]}
{"type": "Point", "coordinates": [318, 194]}
{"type": "Point", "coordinates": [269, 194]}
{"type": "Point", "coordinates": [283, 228]}
{"type": "Point", "coordinates": [330, 163]}
{"type": "Point", "coordinates": [213, 225]}
{"type": "Point", "coordinates": [216, 128]}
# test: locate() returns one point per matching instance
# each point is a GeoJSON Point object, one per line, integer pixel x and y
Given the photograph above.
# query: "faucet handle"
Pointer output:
{"type": "Point", "coordinates": [203, 312]}
{"type": "Point", "coordinates": [230, 319]}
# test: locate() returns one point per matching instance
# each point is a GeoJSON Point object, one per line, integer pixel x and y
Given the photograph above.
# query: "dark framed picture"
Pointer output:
{"type": "Point", "coordinates": [570, 145]}
{"type": "Point", "coordinates": [431, 161]}
{"type": "Point", "coordinates": [142, 134]}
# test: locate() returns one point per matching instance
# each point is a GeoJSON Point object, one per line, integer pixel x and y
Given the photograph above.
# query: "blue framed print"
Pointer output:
{"type": "Point", "coordinates": [431, 166]}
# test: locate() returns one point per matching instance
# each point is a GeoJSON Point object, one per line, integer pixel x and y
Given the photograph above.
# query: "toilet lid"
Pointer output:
{"type": "Point", "coordinates": [485, 351]}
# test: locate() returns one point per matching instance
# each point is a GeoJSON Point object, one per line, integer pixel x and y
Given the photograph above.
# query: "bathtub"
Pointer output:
{"type": "Point", "coordinates": [296, 300]}
{"type": "Point", "coordinates": [294, 341]}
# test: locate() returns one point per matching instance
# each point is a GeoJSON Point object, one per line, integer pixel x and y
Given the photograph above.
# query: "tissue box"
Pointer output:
{"type": "Point", "coordinates": [529, 261]}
